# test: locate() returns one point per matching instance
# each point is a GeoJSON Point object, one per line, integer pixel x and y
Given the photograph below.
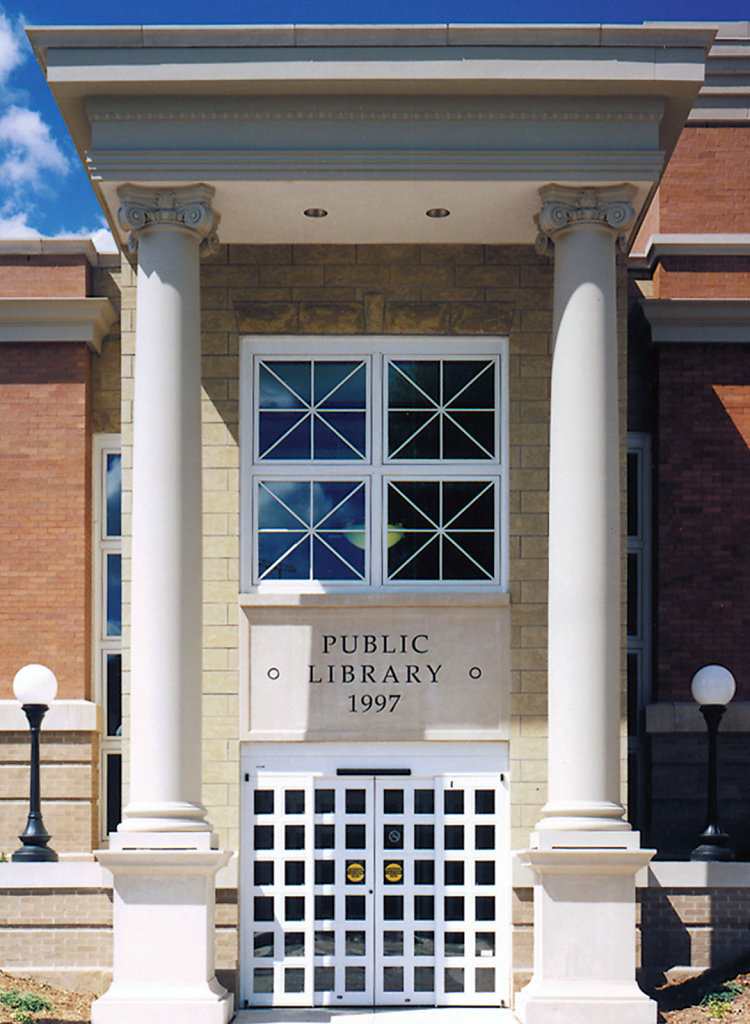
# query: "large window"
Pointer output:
{"type": "Point", "coordinates": [108, 621]}
{"type": "Point", "coordinates": [370, 465]}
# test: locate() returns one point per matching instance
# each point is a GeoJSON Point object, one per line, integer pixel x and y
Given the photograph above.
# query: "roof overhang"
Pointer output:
{"type": "Point", "coordinates": [374, 124]}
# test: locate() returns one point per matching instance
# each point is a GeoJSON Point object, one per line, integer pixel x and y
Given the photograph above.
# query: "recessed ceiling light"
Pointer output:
{"type": "Point", "coordinates": [438, 211]}
{"type": "Point", "coordinates": [315, 211]}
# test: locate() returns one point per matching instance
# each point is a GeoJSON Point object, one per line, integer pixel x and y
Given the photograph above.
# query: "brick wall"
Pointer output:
{"type": "Point", "coordinates": [706, 277]}
{"type": "Point", "coordinates": [709, 169]}
{"type": "Point", "coordinates": [703, 511]}
{"type": "Point", "coordinates": [45, 513]}
{"type": "Point", "coordinates": [55, 275]}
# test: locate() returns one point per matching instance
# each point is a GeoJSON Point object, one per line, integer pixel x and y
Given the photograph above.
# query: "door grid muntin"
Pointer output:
{"type": "Point", "coordinates": [376, 891]}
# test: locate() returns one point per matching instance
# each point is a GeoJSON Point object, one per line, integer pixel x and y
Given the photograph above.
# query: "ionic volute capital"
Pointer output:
{"type": "Point", "coordinates": [187, 208]}
{"type": "Point", "coordinates": [564, 207]}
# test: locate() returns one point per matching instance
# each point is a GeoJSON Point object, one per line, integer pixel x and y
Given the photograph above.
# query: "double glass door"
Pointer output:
{"type": "Point", "coordinates": [375, 889]}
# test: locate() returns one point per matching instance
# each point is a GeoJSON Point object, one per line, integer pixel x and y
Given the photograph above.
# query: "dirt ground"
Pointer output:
{"type": "Point", "coordinates": [678, 1004]}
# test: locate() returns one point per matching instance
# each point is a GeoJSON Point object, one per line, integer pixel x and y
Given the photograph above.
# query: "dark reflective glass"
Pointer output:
{"type": "Point", "coordinates": [284, 384]}
{"type": "Point", "coordinates": [294, 872]}
{"type": "Point", "coordinates": [424, 979]}
{"type": "Point", "coordinates": [325, 907]}
{"type": "Point", "coordinates": [263, 908]}
{"type": "Point", "coordinates": [294, 908]}
{"type": "Point", "coordinates": [393, 979]}
{"type": "Point", "coordinates": [294, 944]}
{"type": "Point", "coordinates": [294, 979]}
{"type": "Point", "coordinates": [393, 801]}
{"type": "Point", "coordinates": [114, 595]}
{"type": "Point", "coordinates": [355, 908]}
{"type": "Point", "coordinates": [454, 872]}
{"type": "Point", "coordinates": [454, 908]}
{"type": "Point", "coordinates": [424, 943]}
{"type": "Point", "coordinates": [393, 908]}
{"type": "Point", "coordinates": [325, 801]}
{"type": "Point", "coordinates": [424, 837]}
{"type": "Point", "coordinates": [485, 908]}
{"type": "Point", "coordinates": [454, 979]}
{"type": "Point", "coordinates": [354, 801]}
{"type": "Point", "coordinates": [340, 385]}
{"type": "Point", "coordinates": [424, 908]}
{"type": "Point", "coordinates": [454, 837]}
{"type": "Point", "coordinates": [356, 944]}
{"type": "Point", "coordinates": [263, 979]}
{"type": "Point", "coordinates": [324, 872]}
{"type": "Point", "coordinates": [114, 696]}
{"type": "Point", "coordinates": [114, 494]}
{"type": "Point", "coordinates": [294, 837]}
{"type": "Point", "coordinates": [393, 837]}
{"type": "Point", "coordinates": [424, 801]}
{"type": "Point", "coordinates": [485, 979]}
{"type": "Point", "coordinates": [484, 801]}
{"type": "Point", "coordinates": [485, 872]}
{"type": "Point", "coordinates": [355, 837]}
{"type": "Point", "coordinates": [324, 979]}
{"type": "Point", "coordinates": [324, 837]}
{"type": "Point", "coordinates": [263, 943]}
{"type": "Point", "coordinates": [114, 791]}
{"type": "Point", "coordinates": [294, 801]}
{"type": "Point", "coordinates": [453, 801]}
{"type": "Point", "coordinates": [325, 943]}
{"type": "Point", "coordinates": [424, 872]}
{"type": "Point", "coordinates": [485, 942]}
{"type": "Point", "coordinates": [454, 943]}
{"type": "Point", "coordinates": [393, 943]}
{"type": "Point", "coordinates": [263, 872]}
{"type": "Point", "coordinates": [263, 801]}
{"type": "Point", "coordinates": [263, 837]}
{"type": "Point", "coordinates": [484, 837]}
{"type": "Point", "coordinates": [354, 979]}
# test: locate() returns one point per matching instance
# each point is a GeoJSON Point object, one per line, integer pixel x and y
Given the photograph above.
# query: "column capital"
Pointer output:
{"type": "Point", "coordinates": [187, 208]}
{"type": "Point", "coordinates": [564, 207]}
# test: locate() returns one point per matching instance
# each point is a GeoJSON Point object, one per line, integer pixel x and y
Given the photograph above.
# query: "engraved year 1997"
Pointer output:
{"type": "Point", "coordinates": [380, 702]}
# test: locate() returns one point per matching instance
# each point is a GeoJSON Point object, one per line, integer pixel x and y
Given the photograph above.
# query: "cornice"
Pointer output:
{"type": "Point", "coordinates": [698, 320]}
{"type": "Point", "coordinates": [56, 319]}
{"type": "Point", "coordinates": [421, 164]}
{"type": "Point", "coordinates": [725, 244]}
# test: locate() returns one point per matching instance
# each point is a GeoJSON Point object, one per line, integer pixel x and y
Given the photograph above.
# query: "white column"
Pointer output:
{"type": "Point", "coordinates": [584, 859]}
{"type": "Point", "coordinates": [584, 509]}
{"type": "Point", "coordinates": [168, 226]}
{"type": "Point", "coordinates": [162, 864]}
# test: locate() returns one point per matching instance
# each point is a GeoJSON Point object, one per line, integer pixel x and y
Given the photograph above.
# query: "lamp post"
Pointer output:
{"type": "Point", "coordinates": [35, 686]}
{"type": "Point", "coordinates": [712, 687]}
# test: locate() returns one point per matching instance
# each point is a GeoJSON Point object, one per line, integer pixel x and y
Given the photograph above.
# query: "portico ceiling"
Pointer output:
{"type": "Point", "coordinates": [375, 125]}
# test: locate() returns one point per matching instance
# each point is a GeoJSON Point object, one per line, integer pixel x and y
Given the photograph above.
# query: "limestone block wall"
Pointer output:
{"type": "Point", "coordinates": [460, 290]}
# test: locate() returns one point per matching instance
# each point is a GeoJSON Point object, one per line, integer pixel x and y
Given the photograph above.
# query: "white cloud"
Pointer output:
{"type": "Point", "coordinates": [15, 226]}
{"type": "Point", "coordinates": [29, 148]}
{"type": "Point", "coordinates": [11, 46]}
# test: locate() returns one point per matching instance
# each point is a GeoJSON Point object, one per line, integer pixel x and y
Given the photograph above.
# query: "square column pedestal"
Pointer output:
{"type": "Point", "coordinates": [164, 919]}
{"type": "Point", "coordinates": [584, 930]}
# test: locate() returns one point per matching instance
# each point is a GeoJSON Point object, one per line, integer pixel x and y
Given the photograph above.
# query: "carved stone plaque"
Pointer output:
{"type": "Point", "coordinates": [330, 668]}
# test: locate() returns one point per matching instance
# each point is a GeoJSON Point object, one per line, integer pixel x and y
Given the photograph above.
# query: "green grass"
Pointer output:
{"type": "Point", "coordinates": [24, 1004]}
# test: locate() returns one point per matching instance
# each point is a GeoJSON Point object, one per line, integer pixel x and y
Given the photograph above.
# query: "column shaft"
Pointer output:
{"type": "Point", "coordinates": [584, 531]}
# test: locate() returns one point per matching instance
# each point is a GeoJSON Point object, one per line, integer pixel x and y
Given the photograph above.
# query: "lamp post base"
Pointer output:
{"type": "Point", "coordinates": [27, 854]}
{"type": "Point", "coordinates": [712, 846]}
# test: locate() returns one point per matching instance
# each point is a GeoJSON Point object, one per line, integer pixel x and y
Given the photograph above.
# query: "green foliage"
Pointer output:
{"type": "Point", "coordinates": [24, 1004]}
{"type": "Point", "coordinates": [3, 857]}
{"type": "Point", "coordinates": [718, 1001]}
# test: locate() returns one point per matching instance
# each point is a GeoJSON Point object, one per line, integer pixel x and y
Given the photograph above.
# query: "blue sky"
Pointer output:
{"type": "Point", "coordinates": [43, 188]}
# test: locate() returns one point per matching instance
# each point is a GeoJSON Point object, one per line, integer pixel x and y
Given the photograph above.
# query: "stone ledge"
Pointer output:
{"type": "Point", "coordinates": [63, 716]}
{"type": "Point", "coordinates": [685, 716]}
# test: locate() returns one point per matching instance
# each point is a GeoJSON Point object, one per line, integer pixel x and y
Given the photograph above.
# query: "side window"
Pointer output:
{"type": "Point", "coordinates": [381, 467]}
{"type": "Point", "coordinates": [108, 621]}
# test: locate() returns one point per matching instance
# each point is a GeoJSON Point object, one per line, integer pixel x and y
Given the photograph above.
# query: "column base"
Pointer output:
{"type": "Point", "coordinates": [119, 1005]}
{"type": "Point", "coordinates": [164, 935]}
{"type": "Point", "coordinates": [610, 1004]}
{"type": "Point", "coordinates": [584, 930]}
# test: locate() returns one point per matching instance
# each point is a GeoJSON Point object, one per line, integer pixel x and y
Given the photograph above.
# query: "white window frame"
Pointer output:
{"type": "Point", "coordinates": [103, 645]}
{"type": "Point", "coordinates": [376, 469]}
